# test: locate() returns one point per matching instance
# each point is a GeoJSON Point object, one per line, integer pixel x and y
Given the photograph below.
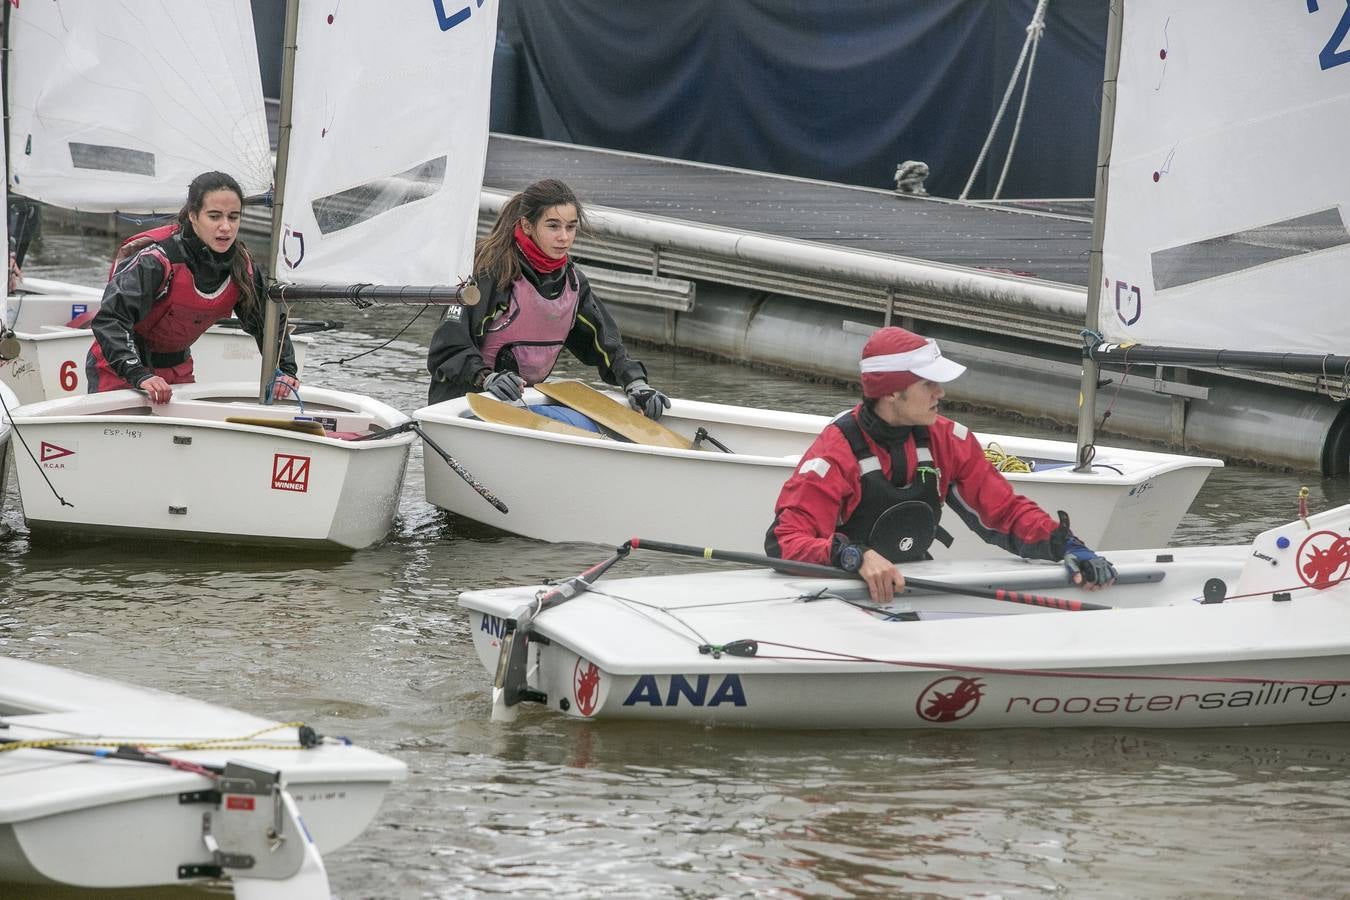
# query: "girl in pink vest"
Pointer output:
{"type": "Point", "coordinates": [536, 302]}
{"type": "Point", "coordinates": [169, 285]}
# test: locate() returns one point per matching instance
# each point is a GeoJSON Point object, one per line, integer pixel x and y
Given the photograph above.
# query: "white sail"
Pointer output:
{"type": "Point", "coordinates": [1229, 194]}
{"type": "Point", "coordinates": [115, 105]}
{"type": "Point", "coordinates": [388, 141]}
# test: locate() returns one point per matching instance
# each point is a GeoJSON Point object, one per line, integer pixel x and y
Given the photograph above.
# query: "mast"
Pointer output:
{"type": "Point", "coordinates": [271, 342]}
{"type": "Point", "coordinates": [1087, 396]}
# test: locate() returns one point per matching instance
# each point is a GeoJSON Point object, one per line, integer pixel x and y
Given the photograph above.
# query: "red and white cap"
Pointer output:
{"type": "Point", "coordinates": [893, 359]}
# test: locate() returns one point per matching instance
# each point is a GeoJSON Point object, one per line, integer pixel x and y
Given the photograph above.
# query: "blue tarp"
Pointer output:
{"type": "Point", "coordinates": [838, 90]}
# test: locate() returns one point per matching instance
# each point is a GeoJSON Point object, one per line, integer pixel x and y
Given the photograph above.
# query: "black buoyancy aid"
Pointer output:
{"type": "Point", "coordinates": [897, 518]}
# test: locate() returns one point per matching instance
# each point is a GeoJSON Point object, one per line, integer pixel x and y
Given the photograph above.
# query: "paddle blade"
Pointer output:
{"type": "Point", "coordinates": [612, 414]}
{"type": "Point", "coordinates": [311, 428]}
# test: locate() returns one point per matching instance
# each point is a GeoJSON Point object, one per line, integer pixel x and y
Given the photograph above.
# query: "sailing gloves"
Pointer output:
{"type": "Point", "coordinates": [507, 387]}
{"type": "Point", "coordinates": [1086, 567]}
{"type": "Point", "coordinates": [646, 399]}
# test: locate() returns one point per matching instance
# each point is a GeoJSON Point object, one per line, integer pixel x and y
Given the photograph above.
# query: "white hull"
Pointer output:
{"type": "Point", "coordinates": [180, 470]}
{"type": "Point", "coordinates": [76, 820]}
{"type": "Point", "coordinates": [51, 362]}
{"type": "Point", "coordinates": [563, 488]}
{"type": "Point", "coordinates": [630, 648]}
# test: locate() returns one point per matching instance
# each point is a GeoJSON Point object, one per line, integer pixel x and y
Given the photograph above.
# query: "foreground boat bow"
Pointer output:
{"type": "Point", "coordinates": [105, 785]}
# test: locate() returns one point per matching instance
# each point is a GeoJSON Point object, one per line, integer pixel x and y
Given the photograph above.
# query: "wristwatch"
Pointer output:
{"type": "Point", "coordinates": [850, 558]}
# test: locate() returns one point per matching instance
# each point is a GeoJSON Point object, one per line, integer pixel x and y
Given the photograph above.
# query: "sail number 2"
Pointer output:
{"type": "Point", "coordinates": [1331, 54]}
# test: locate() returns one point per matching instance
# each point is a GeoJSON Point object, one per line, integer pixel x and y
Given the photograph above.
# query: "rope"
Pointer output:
{"type": "Point", "coordinates": [1331, 388]}
{"type": "Point", "coordinates": [831, 656]}
{"type": "Point", "coordinates": [271, 385]}
{"type": "Point", "coordinates": [1034, 31]}
{"type": "Point", "coordinates": [9, 414]}
{"type": "Point", "coordinates": [234, 743]}
{"type": "Point", "coordinates": [1005, 462]}
{"type": "Point", "coordinates": [344, 361]}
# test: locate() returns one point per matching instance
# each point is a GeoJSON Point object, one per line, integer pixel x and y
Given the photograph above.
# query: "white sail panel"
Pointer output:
{"type": "Point", "coordinates": [388, 141]}
{"type": "Point", "coordinates": [116, 105]}
{"type": "Point", "coordinates": [1228, 193]}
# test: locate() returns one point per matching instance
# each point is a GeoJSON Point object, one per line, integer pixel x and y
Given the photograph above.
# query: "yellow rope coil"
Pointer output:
{"type": "Point", "coordinates": [234, 743]}
{"type": "Point", "coordinates": [1005, 462]}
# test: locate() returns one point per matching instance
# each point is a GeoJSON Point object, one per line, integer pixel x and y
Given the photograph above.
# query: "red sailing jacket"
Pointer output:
{"type": "Point", "coordinates": [827, 485]}
{"type": "Point", "coordinates": [152, 312]}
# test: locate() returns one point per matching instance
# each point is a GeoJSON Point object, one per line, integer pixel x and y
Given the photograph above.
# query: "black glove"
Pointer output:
{"type": "Point", "coordinates": [1080, 560]}
{"type": "Point", "coordinates": [507, 387]}
{"type": "Point", "coordinates": [646, 399]}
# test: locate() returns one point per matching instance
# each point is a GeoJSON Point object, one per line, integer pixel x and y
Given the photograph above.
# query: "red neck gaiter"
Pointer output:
{"type": "Point", "coordinates": [538, 259]}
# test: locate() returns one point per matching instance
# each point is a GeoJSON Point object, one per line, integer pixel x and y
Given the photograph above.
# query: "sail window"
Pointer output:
{"type": "Point", "coordinates": [366, 201]}
{"type": "Point", "coordinates": [1241, 250]}
{"type": "Point", "coordinates": [112, 159]}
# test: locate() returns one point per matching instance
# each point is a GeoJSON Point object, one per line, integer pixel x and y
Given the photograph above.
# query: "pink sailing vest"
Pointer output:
{"type": "Point", "coordinates": [532, 330]}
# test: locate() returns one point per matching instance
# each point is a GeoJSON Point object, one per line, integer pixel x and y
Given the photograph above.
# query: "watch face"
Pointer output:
{"type": "Point", "coordinates": [850, 558]}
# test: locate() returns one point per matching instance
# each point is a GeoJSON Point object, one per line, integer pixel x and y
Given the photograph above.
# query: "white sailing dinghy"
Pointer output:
{"type": "Point", "coordinates": [105, 785]}
{"type": "Point", "coordinates": [694, 491]}
{"type": "Point", "coordinates": [1250, 634]}
{"type": "Point", "coordinates": [114, 112]}
{"type": "Point", "coordinates": [378, 189]}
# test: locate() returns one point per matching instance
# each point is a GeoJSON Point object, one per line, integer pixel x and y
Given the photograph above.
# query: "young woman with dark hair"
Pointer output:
{"type": "Point", "coordinates": [170, 284]}
{"type": "Point", "coordinates": [536, 303]}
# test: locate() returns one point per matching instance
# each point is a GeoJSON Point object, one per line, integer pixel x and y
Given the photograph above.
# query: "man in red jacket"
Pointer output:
{"type": "Point", "coordinates": [869, 492]}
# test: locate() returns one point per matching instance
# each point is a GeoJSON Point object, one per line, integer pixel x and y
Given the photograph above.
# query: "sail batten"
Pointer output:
{"type": "Point", "coordinates": [1246, 249]}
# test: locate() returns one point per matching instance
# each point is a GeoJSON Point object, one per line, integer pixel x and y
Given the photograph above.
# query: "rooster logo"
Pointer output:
{"type": "Point", "coordinates": [949, 699]}
{"type": "Point", "coordinates": [586, 686]}
{"type": "Point", "coordinates": [1324, 559]}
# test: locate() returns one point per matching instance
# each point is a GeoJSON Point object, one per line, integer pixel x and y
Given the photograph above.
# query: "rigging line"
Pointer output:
{"type": "Point", "coordinates": [640, 608]}
{"type": "Point", "coordinates": [1037, 25]}
{"type": "Point", "coordinates": [1120, 386]}
{"type": "Point", "coordinates": [1345, 381]}
{"type": "Point", "coordinates": [837, 656]}
{"type": "Point", "coordinates": [341, 362]}
{"type": "Point", "coordinates": [73, 737]}
{"type": "Point", "coordinates": [22, 440]}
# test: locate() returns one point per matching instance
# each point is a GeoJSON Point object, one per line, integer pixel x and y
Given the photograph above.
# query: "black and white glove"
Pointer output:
{"type": "Point", "coordinates": [646, 399]}
{"type": "Point", "coordinates": [1085, 566]}
{"type": "Point", "coordinates": [507, 387]}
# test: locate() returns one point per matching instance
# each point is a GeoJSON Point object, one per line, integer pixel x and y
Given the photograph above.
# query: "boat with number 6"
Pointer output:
{"type": "Point", "coordinates": [1248, 634]}
{"type": "Point", "coordinates": [51, 354]}
{"type": "Point", "coordinates": [217, 463]}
